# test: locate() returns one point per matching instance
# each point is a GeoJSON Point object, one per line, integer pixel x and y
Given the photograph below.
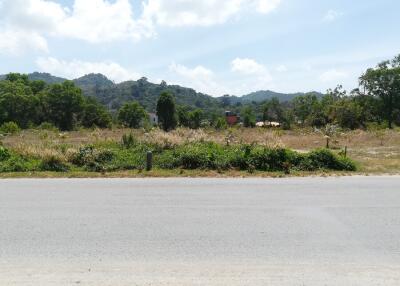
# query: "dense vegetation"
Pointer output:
{"type": "Point", "coordinates": [40, 98]}
{"type": "Point", "coordinates": [56, 104]}
{"type": "Point", "coordinates": [130, 154]}
{"type": "Point", "coordinates": [30, 103]}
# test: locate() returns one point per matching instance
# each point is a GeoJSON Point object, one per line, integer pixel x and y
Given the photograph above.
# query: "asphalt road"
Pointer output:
{"type": "Point", "coordinates": [305, 231]}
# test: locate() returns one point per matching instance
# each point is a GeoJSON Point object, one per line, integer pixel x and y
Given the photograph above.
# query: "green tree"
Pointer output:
{"type": "Point", "coordinates": [249, 119]}
{"type": "Point", "coordinates": [95, 115]}
{"type": "Point", "coordinates": [220, 123]}
{"type": "Point", "coordinates": [346, 113]}
{"type": "Point", "coordinates": [132, 114]}
{"type": "Point", "coordinates": [304, 106]}
{"type": "Point", "coordinates": [273, 111]}
{"type": "Point", "coordinates": [183, 116]}
{"type": "Point", "coordinates": [63, 105]}
{"type": "Point", "coordinates": [195, 118]}
{"type": "Point", "coordinates": [17, 101]}
{"type": "Point", "coordinates": [166, 111]}
{"type": "Point", "coordinates": [384, 82]}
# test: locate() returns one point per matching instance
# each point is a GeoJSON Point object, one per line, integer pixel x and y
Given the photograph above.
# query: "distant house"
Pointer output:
{"type": "Point", "coordinates": [232, 118]}
{"type": "Point", "coordinates": [153, 119]}
{"type": "Point", "coordinates": [268, 124]}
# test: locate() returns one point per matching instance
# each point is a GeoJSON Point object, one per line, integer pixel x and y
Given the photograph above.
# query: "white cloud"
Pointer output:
{"type": "Point", "coordinates": [199, 77]}
{"type": "Point", "coordinates": [94, 21]}
{"type": "Point", "coordinates": [333, 75]}
{"type": "Point", "coordinates": [99, 21]}
{"type": "Point", "coordinates": [332, 15]}
{"type": "Point", "coordinates": [282, 68]}
{"type": "Point", "coordinates": [253, 75]}
{"type": "Point", "coordinates": [266, 6]}
{"type": "Point", "coordinates": [75, 68]}
{"type": "Point", "coordinates": [17, 42]}
{"type": "Point", "coordinates": [201, 13]}
{"type": "Point", "coordinates": [247, 66]}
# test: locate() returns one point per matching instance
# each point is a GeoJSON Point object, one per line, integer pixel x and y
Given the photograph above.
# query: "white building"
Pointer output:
{"type": "Point", "coordinates": [268, 124]}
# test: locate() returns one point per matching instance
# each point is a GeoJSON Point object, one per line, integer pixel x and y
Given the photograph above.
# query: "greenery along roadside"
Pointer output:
{"type": "Point", "coordinates": [130, 154]}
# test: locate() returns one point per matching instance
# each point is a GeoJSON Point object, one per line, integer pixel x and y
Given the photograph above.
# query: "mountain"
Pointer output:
{"type": "Point", "coordinates": [264, 95]}
{"type": "Point", "coordinates": [46, 77]}
{"type": "Point", "coordinates": [114, 95]}
{"type": "Point", "coordinates": [147, 93]}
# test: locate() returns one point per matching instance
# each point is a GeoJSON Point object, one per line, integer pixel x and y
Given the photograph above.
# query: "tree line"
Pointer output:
{"type": "Point", "coordinates": [377, 100]}
{"type": "Point", "coordinates": [31, 103]}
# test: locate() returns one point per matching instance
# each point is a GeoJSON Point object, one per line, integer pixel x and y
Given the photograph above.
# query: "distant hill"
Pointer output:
{"type": "Point", "coordinates": [114, 95]}
{"type": "Point", "coordinates": [46, 77]}
{"type": "Point", "coordinates": [263, 95]}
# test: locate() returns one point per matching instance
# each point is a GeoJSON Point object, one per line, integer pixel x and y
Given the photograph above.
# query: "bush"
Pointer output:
{"type": "Point", "coordinates": [16, 164]}
{"type": "Point", "coordinates": [48, 126]}
{"type": "Point", "coordinates": [84, 156]}
{"type": "Point", "coordinates": [249, 157]}
{"type": "Point", "coordinates": [325, 159]}
{"type": "Point", "coordinates": [128, 141]}
{"type": "Point", "coordinates": [9, 128]}
{"type": "Point", "coordinates": [92, 159]}
{"type": "Point", "coordinates": [199, 156]}
{"type": "Point", "coordinates": [4, 154]}
{"type": "Point", "coordinates": [53, 164]}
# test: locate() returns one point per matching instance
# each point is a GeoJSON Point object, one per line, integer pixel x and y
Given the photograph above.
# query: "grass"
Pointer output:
{"type": "Point", "coordinates": [373, 153]}
{"type": "Point", "coordinates": [163, 173]}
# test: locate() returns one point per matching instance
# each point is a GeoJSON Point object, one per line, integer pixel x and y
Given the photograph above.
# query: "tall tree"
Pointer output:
{"type": "Point", "coordinates": [166, 111]}
{"type": "Point", "coordinates": [17, 101]}
{"type": "Point", "coordinates": [384, 82]}
{"type": "Point", "coordinates": [63, 104]}
{"type": "Point", "coordinates": [304, 106]}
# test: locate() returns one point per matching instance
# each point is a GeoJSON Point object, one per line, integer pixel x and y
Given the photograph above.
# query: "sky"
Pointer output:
{"type": "Point", "coordinates": [214, 46]}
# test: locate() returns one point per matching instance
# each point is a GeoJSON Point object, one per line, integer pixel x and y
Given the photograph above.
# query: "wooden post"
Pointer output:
{"type": "Point", "coordinates": [149, 161]}
{"type": "Point", "coordinates": [327, 142]}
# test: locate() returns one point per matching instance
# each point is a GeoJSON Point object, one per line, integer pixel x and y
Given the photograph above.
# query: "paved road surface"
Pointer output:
{"type": "Point", "coordinates": [311, 231]}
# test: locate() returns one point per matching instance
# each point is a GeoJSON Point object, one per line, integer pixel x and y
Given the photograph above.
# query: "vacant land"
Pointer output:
{"type": "Point", "coordinates": [373, 151]}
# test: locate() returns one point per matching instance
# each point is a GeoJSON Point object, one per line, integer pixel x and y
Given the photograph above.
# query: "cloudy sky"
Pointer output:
{"type": "Point", "coordinates": [215, 46]}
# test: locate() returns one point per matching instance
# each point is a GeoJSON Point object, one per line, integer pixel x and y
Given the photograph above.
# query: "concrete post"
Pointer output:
{"type": "Point", "coordinates": [149, 161]}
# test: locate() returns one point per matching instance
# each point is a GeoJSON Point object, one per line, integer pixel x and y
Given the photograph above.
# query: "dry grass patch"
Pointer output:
{"type": "Point", "coordinates": [375, 151]}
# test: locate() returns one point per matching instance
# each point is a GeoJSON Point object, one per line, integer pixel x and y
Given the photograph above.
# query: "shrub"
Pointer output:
{"type": "Point", "coordinates": [199, 156]}
{"type": "Point", "coordinates": [84, 156]}
{"type": "Point", "coordinates": [14, 164]}
{"type": "Point", "coordinates": [92, 159]}
{"type": "Point", "coordinates": [128, 141]}
{"type": "Point", "coordinates": [326, 159]}
{"type": "Point", "coordinates": [53, 164]}
{"type": "Point", "coordinates": [4, 154]}
{"type": "Point", "coordinates": [48, 126]}
{"type": "Point", "coordinates": [251, 158]}
{"type": "Point", "coordinates": [9, 128]}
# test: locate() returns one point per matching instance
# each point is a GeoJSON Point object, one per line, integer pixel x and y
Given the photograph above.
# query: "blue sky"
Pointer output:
{"type": "Point", "coordinates": [215, 46]}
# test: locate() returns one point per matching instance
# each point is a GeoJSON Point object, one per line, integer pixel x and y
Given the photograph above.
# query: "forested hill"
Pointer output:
{"type": "Point", "coordinates": [114, 95]}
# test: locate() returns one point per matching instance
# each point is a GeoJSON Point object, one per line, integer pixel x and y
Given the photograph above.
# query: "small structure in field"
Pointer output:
{"type": "Point", "coordinates": [269, 124]}
{"type": "Point", "coordinates": [231, 118]}
{"type": "Point", "coordinates": [153, 119]}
